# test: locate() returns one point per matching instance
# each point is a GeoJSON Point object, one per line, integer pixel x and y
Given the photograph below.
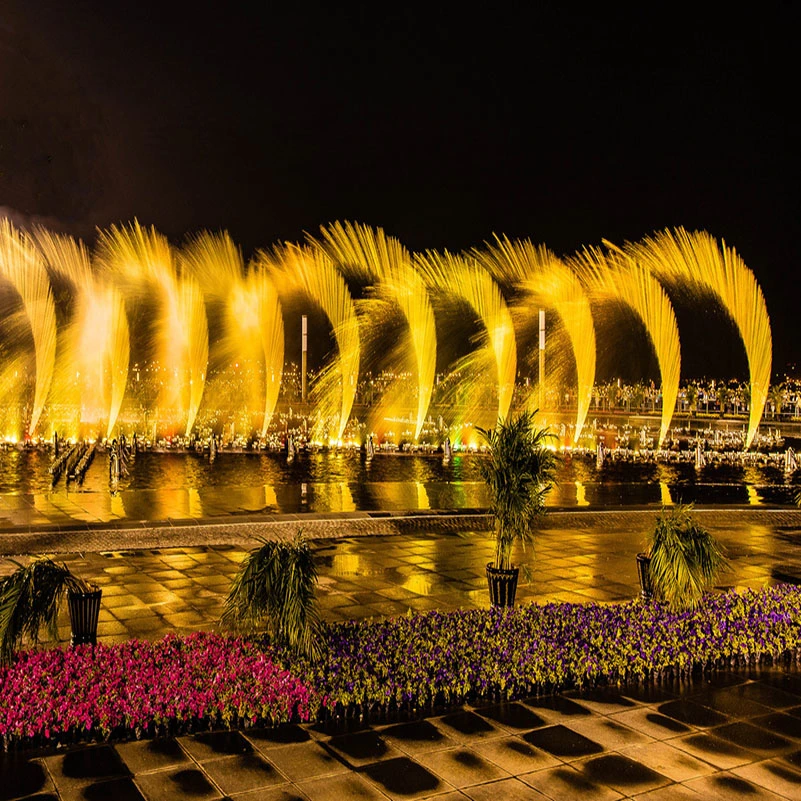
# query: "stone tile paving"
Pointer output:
{"type": "Point", "coordinates": [734, 734]}
{"type": "Point", "coordinates": [639, 742]}
{"type": "Point", "coordinates": [147, 592]}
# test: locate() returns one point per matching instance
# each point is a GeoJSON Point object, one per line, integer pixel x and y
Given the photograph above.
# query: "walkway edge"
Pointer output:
{"type": "Point", "coordinates": [243, 533]}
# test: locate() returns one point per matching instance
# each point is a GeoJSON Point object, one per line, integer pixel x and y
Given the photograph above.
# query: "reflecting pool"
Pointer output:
{"type": "Point", "coordinates": [188, 485]}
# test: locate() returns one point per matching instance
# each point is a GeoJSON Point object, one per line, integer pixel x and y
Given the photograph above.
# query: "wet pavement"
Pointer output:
{"type": "Point", "coordinates": [728, 736]}
{"type": "Point", "coordinates": [578, 557]}
{"type": "Point", "coordinates": [718, 737]}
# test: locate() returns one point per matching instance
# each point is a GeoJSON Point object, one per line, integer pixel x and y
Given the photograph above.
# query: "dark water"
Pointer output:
{"type": "Point", "coordinates": [345, 481]}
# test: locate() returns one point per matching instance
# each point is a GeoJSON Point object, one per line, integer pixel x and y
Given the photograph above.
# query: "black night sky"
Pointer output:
{"type": "Point", "coordinates": [440, 124]}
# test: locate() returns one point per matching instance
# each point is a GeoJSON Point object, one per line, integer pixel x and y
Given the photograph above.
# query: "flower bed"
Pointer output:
{"type": "Point", "coordinates": [137, 687]}
{"type": "Point", "coordinates": [204, 680]}
{"type": "Point", "coordinates": [449, 658]}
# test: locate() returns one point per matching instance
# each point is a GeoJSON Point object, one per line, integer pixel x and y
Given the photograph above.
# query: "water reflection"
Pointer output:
{"type": "Point", "coordinates": [347, 564]}
{"type": "Point", "coordinates": [117, 507]}
{"type": "Point", "coordinates": [420, 583]}
{"type": "Point", "coordinates": [195, 508]}
{"type": "Point", "coordinates": [185, 485]}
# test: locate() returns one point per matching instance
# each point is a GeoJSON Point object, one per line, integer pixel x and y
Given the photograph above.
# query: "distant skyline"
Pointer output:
{"type": "Point", "coordinates": [442, 128]}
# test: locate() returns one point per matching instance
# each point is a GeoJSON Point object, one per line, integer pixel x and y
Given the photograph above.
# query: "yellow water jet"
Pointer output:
{"type": "Point", "coordinates": [98, 339]}
{"type": "Point", "coordinates": [253, 323]}
{"type": "Point", "coordinates": [468, 280]}
{"type": "Point", "coordinates": [696, 259]}
{"type": "Point", "coordinates": [22, 266]}
{"type": "Point", "coordinates": [358, 247]}
{"type": "Point", "coordinates": [545, 280]}
{"type": "Point", "coordinates": [302, 269]}
{"type": "Point", "coordinates": [141, 256]}
{"type": "Point", "coordinates": [616, 277]}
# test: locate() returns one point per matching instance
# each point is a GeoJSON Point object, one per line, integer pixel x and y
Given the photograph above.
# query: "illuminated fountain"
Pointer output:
{"type": "Point", "coordinates": [308, 271]}
{"type": "Point", "coordinates": [92, 369]}
{"type": "Point", "coordinates": [22, 266]}
{"type": "Point", "coordinates": [464, 278]}
{"type": "Point", "coordinates": [696, 260]}
{"type": "Point", "coordinates": [143, 259]}
{"type": "Point", "coordinates": [252, 325]}
{"type": "Point", "coordinates": [611, 276]}
{"type": "Point", "coordinates": [545, 281]}
{"type": "Point", "coordinates": [209, 329]}
{"type": "Point", "coordinates": [363, 252]}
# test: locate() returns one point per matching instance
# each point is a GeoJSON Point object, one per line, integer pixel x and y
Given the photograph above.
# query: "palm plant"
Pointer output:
{"type": "Point", "coordinates": [519, 474]}
{"type": "Point", "coordinates": [276, 581]}
{"type": "Point", "coordinates": [684, 558]}
{"type": "Point", "coordinates": [776, 397]}
{"type": "Point", "coordinates": [30, 599]}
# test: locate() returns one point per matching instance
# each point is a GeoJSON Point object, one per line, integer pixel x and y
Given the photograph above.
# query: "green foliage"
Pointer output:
{"type": "Point", "coordinates": [276, 581]}
{"type": "Point", "coordinates": [519, 473]}
{"type": "Point", "coordinates": [685, 558]}
{"type": "Point", "coordinates": [30, 598]}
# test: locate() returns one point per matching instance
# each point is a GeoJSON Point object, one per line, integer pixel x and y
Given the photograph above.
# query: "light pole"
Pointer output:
{"type": "Point", "coordinates": [304, 347]}
{"type": "Point", "coordinates": [542, 360]}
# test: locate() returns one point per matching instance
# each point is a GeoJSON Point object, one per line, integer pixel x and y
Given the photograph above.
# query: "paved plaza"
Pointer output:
{"type": "Point", "coordinates": [716, 737]}
{"type": "Point", "coordinates": [733, 736]}
{"type": "Point", "coordinates": [579, 556]}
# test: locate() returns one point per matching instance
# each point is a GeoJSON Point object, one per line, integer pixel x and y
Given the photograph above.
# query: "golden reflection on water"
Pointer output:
{"type": "Point", "coordinates": [664, 489]}
{"type": "Point", "coordinates": [581, 494]}
{"type": "Point", "coordinates": [346, 498]}
{"type": "Point", "coordinates": [194, 504]}
{"type": "Point", "coordinates": [270, 498]}
{"type": "Point", "coordinates": [117, 507]}
{"type": "Point", "coordinates": [753, 496]}
{"type": "Point", "coordinates": [399, 495]}
{"type": "Point", "coordinates": [335, 496]}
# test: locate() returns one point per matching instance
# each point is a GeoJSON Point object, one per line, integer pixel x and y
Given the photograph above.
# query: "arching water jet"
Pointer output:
{"type": "Point", "coordinates": [615, 277]}
{"type": "Point", "coordinates": [545, 280]}
{"type": "Point", "coordinates": [696, 259]}
{"type": "Point", "coordinates": [463, 277]}
{"type": "Point", "coordinates": [141, 257]}
{"type": "Point", "coordinates": [98, 340]}
{"type": "Point", "coordinates": [253, 328]}
{"type": "Point", "coordinates": [301, 269]}
{"type": "Point", "coordinates": [22, 266]}
{"type": "Point", "coordinates": [358, 248]}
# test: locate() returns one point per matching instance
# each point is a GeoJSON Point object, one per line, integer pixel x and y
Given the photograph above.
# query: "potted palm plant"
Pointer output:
{"type": "Point", "coordinates": [275, 584]}
{"type": "Point", "coordinates": [682, 559]}
{"type": "Point", "coordinates": [30, 599]}
{"type": "Point", "coordinates": [519, 473]}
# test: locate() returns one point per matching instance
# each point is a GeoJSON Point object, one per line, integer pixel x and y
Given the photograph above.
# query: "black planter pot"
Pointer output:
{"type": "Point", "coordinates": [84, 613]}
{"type": "Point", "coordinates": [644, 573]}
{"type": "Point", "coordinates": [502, 585]}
